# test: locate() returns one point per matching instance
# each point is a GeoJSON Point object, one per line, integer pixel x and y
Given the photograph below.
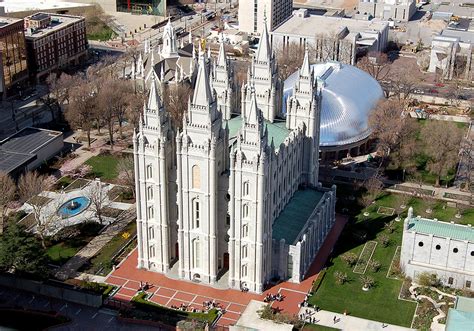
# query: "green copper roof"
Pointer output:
{"type": "Point", "coordinates": [276, 131]}
{"type": "Point", "coordinates": [465, 304]}
{"type": "Point", "coordinates": [294, 216]}
{"type": "Point", "coordinates": [442, 229]}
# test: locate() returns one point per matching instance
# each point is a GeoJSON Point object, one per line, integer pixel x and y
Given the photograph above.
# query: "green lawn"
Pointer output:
{"type": "Point", "coordinates": [68, 241]}
{"type": "Point", "coordinates": [315, 327]}
{"type": "Point", "coordinates": [104, 166]}
{"type": "Point", "coordinates": [98, 30]}
{"type": "Point", "coordinates": [381, 302]}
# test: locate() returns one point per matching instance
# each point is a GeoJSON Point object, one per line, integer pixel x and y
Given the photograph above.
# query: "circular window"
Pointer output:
{"type": "Point", "coordinates": [455, 250]}
{"type": "Point", "coordinates": [420, 244]}
{"type": "Point", "coordinates": [438, 247]}
{"type": "Point", "coordinates": [472, 253]}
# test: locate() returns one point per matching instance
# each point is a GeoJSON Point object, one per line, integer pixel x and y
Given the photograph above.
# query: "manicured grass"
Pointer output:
{"type": "Point", "coordinates": [103, 259]}
{"type": "Point", "coordinates": [62, 182]}
{"type": "Point", "coordinates": [104, 166]}
{"type": "Point", "coordinates": [381, 302]}
{"type": "Point", "coordinates": [98, 30]}
{"type": "Point", "coordinates": [75, 237]}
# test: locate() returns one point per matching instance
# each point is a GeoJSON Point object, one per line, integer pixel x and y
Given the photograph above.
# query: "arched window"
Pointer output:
{"type": "Point", "coordinates": [151, 233]}
{"type": "Point", "coordinates": [149, 171]}
{"type": "Point", "coordinates": [151, 212]}
{"type": "Point", "coordinates": [152, 251]}
{"type": "Point", "coordinates": [196, 254]}
{"type": "Point", "coordinates": [227, 219]}
{"type": "Point", "coordinates": [149, 192]}
{"type": "Point", "coordinates": [245, 230]}
{"type": "Point", "coordinates": [196, 213]}
{"type": "Point", "coordinates": [245, 189]}
{"type": "Point", "coordinates": [244, 270]}
{"type": "Point", "coordinates": [196, 179]}
{"type": "Point", "coordinates": [245, 211]}
{"type": "Point", "coordinates": [244, 251]}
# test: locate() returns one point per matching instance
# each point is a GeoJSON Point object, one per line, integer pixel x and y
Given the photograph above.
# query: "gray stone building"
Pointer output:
{"type": "Point", "coordinates": [332, 38]}
{"type": "Point", "coordinates": [440, 248]}
{"type": "Point", "coordinates": [233, 202]}
{"type": "Point", "coordinates": [396, 10]}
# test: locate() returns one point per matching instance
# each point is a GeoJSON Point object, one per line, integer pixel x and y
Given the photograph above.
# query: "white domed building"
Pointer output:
{"type": "Point", "coordinates": [348, 95]}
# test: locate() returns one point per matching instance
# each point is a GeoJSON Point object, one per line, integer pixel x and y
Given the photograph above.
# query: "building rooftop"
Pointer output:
{"type": "Point", "coordinates": [57, 22]}
{"type": "Point", "coordinates": [5, 21]}
{"type": "Point", "coordinates": [462, 8]}
{"type": "Point", "coordinates": [12, 6]}
{"type": "Point", "coordinates": [312, 25]}
{"type": "Point", "coordinates": [461, 317]}
{"type": "Point", "coordinates": [464, 36]}
{"type": "Point", "coordinates": [441, 229]}
{"type": "Point", "coordinates": [9, 161]}
{"type": "Point", "coordinates": [294, 216]}
{"type": "Point", "coordinates": [348, 96]}
{"type": "Point", "coordinates": [277, 131]}
{"type": "Point", "coordinates": [28, 140]}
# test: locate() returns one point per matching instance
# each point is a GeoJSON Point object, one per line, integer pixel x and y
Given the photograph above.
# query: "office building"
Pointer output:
{"type": "Point", "coordinates": [54, 42]}
{"type": "Point", "coordinates": [14, 68]}
{"type": "Point", "coordinates": [252, 14]}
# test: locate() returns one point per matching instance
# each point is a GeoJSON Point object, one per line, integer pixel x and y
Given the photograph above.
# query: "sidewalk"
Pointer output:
{"type": "Point", "coordinates": [69, 269]}
{"type": "Point", "coordinates": [350, 323]}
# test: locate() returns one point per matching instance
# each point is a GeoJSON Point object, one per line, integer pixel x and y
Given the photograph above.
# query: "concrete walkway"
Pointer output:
{"type": "Point", "coordinates": [346, 322]}
{"type": "Point", "coordinates": [69, 269]}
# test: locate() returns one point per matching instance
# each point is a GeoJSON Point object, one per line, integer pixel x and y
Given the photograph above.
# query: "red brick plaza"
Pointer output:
{"type": "Point", "coordinates": [167, 292]}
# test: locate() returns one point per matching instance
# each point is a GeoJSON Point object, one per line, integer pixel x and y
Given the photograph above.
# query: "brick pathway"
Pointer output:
{"type": "Point", "coordinates": [166, 291]}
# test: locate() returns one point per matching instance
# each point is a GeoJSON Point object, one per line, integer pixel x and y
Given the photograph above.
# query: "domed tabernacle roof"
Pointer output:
{"type": "Point", "coordinates": [348, 96]}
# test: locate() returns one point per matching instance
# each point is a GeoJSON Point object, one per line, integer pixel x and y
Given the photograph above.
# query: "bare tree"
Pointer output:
{"type": "Point", "coordinates": [387, 124]}
{"type": "Point", "coordinates": [109, 98]}
{"type": "Point", "coordinates": [442, 143]}
{"type": "Point", "coordinates": [176, 98]}
{"type": "Point", "coordinates": [47, 219]}
{"type": "Point", "coordinates": [98, 198]}
{"type": "Point", "coordinates": [376, 64]}
{"type": "Point", "coordinates": [403, 81]}
{"type": "Point", "coordinates": [7, 194]}
{"type": "Point", "coordinates": [81, 109]}
{"type": "Point", "coordinates": [373, 187]}
{"type": "Point", "coordinates": [135, 107]}
{"type": "Point", "coordinates": [289, 58]}
{"type": "Point", "coordinates": [126, 171]}
{"type": "Point", "coordinates": [31, 183]}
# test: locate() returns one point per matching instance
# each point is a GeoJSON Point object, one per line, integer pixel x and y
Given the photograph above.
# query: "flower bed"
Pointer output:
{"type": "Point", "coordinates": [364, 257]}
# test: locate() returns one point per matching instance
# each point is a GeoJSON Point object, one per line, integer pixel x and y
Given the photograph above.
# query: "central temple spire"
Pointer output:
{"type": "Point", "coordinates": [202, 90]}
{"type": "Point", "coordinates": [264, 50]}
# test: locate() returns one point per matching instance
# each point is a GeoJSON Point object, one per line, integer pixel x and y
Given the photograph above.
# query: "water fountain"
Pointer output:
{"type": "Point", "coordinates": [73, 207]}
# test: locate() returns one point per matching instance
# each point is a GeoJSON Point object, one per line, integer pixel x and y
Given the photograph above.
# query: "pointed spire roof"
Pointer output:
{"type": "Point", "coordinates": [264, 50]}
{"type": "Point", "coordinates": [252, 115]}
{"type": "Point", "coordinates": [222, 58]}
{"type": "Point", "coordinates": [306, 67]}
{"type": "Point", "coordinates": [154, 100]}
{"type": "Point", "coordinates": [202, 90]}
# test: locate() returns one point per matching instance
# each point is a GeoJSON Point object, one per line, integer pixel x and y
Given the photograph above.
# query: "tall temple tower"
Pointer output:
{"type": "Point", "coordinates": [155, 185]}
{"type": "Point", "coordinates": [304, 107]}
{"type": "Point", "coordinates": [263, 76]}
{"type": "Point", "coordinates": [170, 44]}
{"type": "Point", "coordinates": [222, 83]}
{"type": "Point", "coordinates": [250, 230]}
{"type": "Point", "coordinates": [201, 154]}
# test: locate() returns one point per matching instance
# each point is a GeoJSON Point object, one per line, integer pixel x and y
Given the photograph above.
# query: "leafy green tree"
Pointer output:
{"type": "Point", "coordinates": [21, 252]}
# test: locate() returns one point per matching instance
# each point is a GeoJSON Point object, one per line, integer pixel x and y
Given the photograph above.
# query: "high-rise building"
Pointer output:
{"type": "Point", "coordinates": [252, 14]}
{"type": "Point", "coordinates": [14, 69]}
{"type": "Point", "coordinates": [54, 42]}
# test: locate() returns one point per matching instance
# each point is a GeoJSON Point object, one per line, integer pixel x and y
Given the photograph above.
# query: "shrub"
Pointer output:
{"type": "Point", "coordinates": [341, 277]}
{"type": "Point", "coordinates": [390, 226]}
{"type": "Point", "coordinates": [427, 279]}
{"type": "Point", "coordinates": [375, 265]}
{"type": "Point", "coordinates": [384, 240]}
{"type": "Point", "coordinates": [367, 281]}
{"type": "Point", "coordinates": [349, 258]}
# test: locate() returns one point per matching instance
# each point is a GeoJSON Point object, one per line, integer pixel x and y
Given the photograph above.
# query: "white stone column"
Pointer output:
{"type": "Point", "coordinates": [164, 219]}
{"type": "Point", "coordinates": [213, 215]}
{"type": "Point", "coordinates": [179, 173]}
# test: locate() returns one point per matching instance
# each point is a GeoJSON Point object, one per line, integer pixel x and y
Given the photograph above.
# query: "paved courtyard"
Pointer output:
{"type": "Point", "coordinates": [167, 292]}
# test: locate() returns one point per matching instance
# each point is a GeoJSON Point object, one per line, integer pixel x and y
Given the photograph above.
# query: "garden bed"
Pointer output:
{"type": "Point", "coordinates": [28, 221]}
{"type": "Point", "coordinates": [78, 184]}
{"type": "Point", "coordinates": [385, 211]}
{"type": "Point", "coordinates": [396, 259]}
{"type": "Point", "coordinates": [364, 257]}
{"type": "Point", "coordinates": [121, 194]}
{"type": "Point", "coordinates": [455, 196]}
{"type": "Point", "coordinates": [111, 212]}
{"type": "Point", "coordinates": [413, 190]}
{"type": "Point", "coordinates": [62, 183]}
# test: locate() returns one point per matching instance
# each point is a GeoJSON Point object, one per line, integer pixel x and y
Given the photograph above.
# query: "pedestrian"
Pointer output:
{"type": "Point", "coordinates": [345, 312]}
{"type": "Point", "coordinates": [334, 319]}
